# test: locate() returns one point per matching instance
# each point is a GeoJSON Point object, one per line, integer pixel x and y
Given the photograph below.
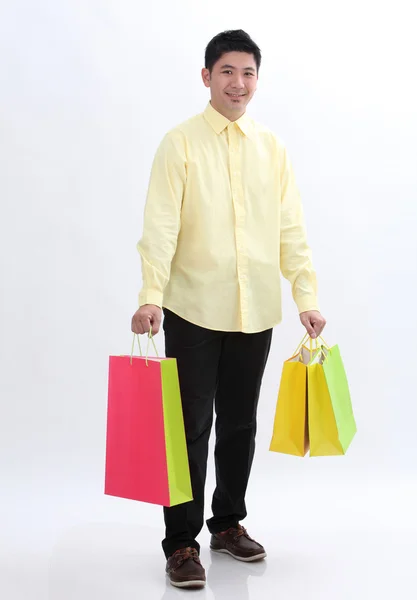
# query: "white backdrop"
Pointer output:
{"type": "Point", "coordinates": [88, 89]}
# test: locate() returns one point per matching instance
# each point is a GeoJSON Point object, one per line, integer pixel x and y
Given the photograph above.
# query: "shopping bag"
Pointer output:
{"type": "Point", "coordinates": [332, 425]}
{"type": "Point", "coordinates": [146, 453]}
{"type": "Point", "coordinates": [290, 433]}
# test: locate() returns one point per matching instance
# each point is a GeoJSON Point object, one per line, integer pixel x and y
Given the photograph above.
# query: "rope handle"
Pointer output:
{"type": "Point", "coordinates": [150, 337]}
{"type": "Point", "coordinates": [303, 341]}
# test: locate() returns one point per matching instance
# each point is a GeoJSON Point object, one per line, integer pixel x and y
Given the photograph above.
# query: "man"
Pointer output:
{"type": "Point", "coordinates": [222, 218]}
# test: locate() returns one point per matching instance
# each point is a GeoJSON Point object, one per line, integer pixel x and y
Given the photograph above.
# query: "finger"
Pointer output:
{"type": "Point", "coordinates": [135, 327]}
{"type": "Point", "coordinates": [156, 324]}
{"type": "Point", "coordinates": [146, 324]}
{"type": "Point", "coordinates": [310, 329]}
{"type": "Point", "coordinates": [319, 326]}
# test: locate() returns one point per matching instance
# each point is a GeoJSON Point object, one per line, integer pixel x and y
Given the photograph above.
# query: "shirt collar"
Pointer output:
{"type": "Point", "coordinates": [219, 122]}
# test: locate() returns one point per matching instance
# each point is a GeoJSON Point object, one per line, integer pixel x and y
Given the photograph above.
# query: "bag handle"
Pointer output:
{"type": "Point", "coordinates": [303, 341]}
{"type": "Point", "coordinates": [150, 337]}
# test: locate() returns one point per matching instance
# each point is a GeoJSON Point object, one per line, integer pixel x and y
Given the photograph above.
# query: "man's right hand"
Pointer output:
{"type": "Point", "coordinates": [147, 315]}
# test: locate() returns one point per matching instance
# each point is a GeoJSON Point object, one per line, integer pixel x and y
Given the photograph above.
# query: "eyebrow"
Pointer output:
{"type": "Point", "coordinates": [232, 67]}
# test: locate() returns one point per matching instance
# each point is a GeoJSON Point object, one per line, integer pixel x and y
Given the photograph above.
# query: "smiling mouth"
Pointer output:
{"type": "Point", "coordinates": [235, 95]}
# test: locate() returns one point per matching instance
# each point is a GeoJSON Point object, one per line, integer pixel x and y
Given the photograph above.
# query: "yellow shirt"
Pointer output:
{"type": "Point", "coordinates": [222, 220]}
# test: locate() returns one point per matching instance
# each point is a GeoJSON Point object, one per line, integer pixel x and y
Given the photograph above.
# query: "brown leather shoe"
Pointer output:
{"type": "Point", "coordinates": [185, 569]}
{"type": "Point", "coordinates": [237, 543]}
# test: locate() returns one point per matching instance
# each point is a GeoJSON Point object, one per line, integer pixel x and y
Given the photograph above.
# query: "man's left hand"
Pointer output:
{"type": "Point", "coordinates": [313, 322]}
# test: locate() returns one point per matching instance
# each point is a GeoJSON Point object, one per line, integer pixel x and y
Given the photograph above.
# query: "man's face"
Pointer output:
{"type": "Point", "coordinates": [232, 83]}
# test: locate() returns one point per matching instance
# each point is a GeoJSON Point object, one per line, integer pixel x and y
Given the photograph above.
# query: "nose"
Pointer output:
{"type": "Point", "coordinates": [238, 82]}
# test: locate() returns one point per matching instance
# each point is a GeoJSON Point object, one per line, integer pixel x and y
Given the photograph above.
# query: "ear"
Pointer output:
{"type": "Point", "coordinates": [205, 74]}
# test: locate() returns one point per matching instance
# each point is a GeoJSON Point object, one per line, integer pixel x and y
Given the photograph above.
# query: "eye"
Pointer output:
{"type": "Point", "coordinates": [227, 72]}
{"type": "Point", "coordinates": [251, 74]}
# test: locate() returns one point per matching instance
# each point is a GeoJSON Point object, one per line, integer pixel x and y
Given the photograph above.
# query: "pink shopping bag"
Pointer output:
{"type": "Point", "coordinates": [146, 453]}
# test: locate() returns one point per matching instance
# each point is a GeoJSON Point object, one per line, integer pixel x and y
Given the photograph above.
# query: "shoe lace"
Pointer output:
{"type": "Point", "coordinates": [238, 532]}
{"type": "Point", "coordinates": [184, 554]}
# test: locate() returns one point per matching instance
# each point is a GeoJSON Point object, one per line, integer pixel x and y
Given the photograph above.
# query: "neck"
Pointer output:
{"type": "Point", "coordinates": [231, 115]}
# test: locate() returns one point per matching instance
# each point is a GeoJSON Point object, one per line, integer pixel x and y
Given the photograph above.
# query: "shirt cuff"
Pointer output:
{"type": "Point", "coordinates": [307, 303]}
{"type": "Point", "coordinates": [151, 297]}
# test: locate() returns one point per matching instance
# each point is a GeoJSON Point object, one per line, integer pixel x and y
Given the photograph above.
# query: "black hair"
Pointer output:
{"type": "Point", "coordinates": [235, 40]}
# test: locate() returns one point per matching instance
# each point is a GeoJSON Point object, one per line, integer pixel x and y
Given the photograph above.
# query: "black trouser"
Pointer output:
{"type": "Point", "coordinates": [225, 368]}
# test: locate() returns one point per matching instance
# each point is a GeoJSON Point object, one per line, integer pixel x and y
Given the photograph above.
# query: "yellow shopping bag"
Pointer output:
{"type": "Point", "coordinates": [314, 409]}
{"type": "Point", "coordinates": [290, 434]}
